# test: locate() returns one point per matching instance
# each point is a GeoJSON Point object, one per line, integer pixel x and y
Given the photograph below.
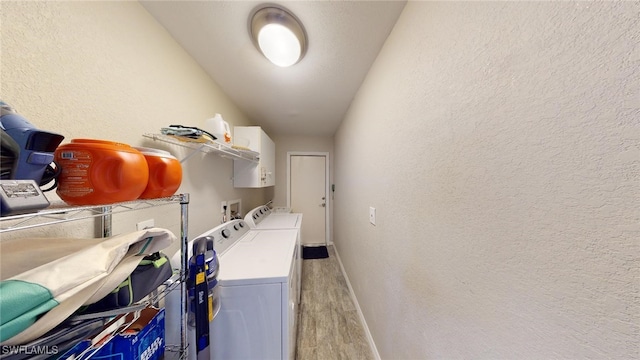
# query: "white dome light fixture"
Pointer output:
{"type": "Point", "coordinates": [278, 34]}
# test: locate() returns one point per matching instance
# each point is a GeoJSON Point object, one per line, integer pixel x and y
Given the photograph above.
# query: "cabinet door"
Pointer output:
{"type": "Point", "coordinates": [267, 160]}
{"type": "Point", "coordinates": [247, 174]}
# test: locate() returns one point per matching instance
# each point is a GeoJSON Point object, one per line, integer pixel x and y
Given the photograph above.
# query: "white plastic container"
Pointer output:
{"type": "Point", "coordinates": [218, 128]}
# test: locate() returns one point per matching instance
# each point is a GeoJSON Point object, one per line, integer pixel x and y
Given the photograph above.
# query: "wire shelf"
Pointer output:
{"type": "Point", "coordinates": [60, 212]}
{"type": "Point", "coordinates": [207, 147]}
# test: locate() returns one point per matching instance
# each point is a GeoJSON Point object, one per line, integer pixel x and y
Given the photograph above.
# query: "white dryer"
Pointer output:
{"type": "Point", "coordinates": [263, 218]}
{"type": "Point", "coordinates": [257, 289]}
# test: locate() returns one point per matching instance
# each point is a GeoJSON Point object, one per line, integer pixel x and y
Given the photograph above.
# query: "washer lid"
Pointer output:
{"type": "Point", "coordinates": [260, 257]}
{"type": "Point", "coordinates": [280, 221]}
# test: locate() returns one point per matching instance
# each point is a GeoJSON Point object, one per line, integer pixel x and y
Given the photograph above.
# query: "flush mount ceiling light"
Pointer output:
{"type": "Point", "coordinates": [278, 34]}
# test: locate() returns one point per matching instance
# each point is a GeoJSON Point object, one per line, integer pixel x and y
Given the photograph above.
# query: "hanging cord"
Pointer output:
{"type": "Point", "coordinates": [51, 173]}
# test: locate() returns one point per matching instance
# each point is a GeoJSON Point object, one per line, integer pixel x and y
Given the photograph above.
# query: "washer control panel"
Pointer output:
{"type": "Point", "coordinates": [227, 234]}
{"type": "Point", "coordinates": [258, 214]}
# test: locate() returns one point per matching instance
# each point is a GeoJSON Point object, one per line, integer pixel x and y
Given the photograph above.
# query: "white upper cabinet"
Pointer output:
{"type": "Point", "coordinates": [247, 174]}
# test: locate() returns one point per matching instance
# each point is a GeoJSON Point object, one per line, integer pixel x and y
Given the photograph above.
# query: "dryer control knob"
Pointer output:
{"type": "Point", "coordinates": [241, 224]}
{"type": "Point", "coordinates": [225, 233]}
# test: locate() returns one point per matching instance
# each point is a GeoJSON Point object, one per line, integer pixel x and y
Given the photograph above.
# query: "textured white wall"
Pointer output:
{"type": "Point", "coordinates": [499, 142]}
{"type": "Point", "coordinates": [108, 70]}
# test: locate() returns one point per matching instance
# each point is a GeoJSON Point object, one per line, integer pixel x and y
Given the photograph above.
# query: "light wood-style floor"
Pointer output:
{"type": "Point", "coordinates": [329, 327]}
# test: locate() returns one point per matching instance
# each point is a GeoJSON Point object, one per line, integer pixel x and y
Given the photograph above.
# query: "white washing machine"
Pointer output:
{"type": "Point", "coordinates": [263, 218]}
{"type": "Point", "coordinates": [257, 289]}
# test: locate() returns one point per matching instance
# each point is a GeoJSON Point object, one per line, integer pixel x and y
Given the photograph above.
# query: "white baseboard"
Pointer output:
{"type": "Point", "coordinates": [367, 333]}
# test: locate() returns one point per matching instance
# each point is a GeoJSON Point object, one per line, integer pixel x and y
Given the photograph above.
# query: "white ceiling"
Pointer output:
{"type": "Point", "coordinates": [312, 96]}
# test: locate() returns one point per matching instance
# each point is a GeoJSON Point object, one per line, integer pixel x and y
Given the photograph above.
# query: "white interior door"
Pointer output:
{"type": "Point", "coordinates": [307, 190]}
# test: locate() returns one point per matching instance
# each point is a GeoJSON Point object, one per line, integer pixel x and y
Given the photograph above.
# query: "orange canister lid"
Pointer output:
{"type": "Point", "coordinates": [154, 152]}
{"type": "Point", "coordinates": [103, 144]}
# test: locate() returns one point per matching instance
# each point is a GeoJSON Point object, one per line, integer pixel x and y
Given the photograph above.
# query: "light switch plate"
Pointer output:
{"type": "Point", "coordinates": [372, 215]}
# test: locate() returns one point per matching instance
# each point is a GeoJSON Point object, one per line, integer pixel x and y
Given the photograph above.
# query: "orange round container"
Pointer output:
{"type": "Point", "coordinates": [98, 172]}
{"type": "Point", "coordinates": [165, 173]}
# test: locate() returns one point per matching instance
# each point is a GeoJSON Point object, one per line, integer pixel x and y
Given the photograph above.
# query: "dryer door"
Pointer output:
{"type": "Point", "coordinates": [248, 325]}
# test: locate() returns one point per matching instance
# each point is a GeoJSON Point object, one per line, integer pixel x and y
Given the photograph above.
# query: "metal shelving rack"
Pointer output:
{"type": "Point", "coordinates": [207, 147]}
{"type": "Point", "coordinates": [58, 213]}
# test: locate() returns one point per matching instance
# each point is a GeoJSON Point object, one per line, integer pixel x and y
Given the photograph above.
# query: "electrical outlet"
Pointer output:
{"type": "Point", "coordinates": [372, 215]}
{"type": "Point", "coordinates": [145, 224]}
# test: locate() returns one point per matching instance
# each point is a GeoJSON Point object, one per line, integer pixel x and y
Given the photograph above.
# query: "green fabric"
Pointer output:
{"type": "Point", "coordinates": [157, 263]}
{"type": "Point", "coordinates": [21, 303]}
